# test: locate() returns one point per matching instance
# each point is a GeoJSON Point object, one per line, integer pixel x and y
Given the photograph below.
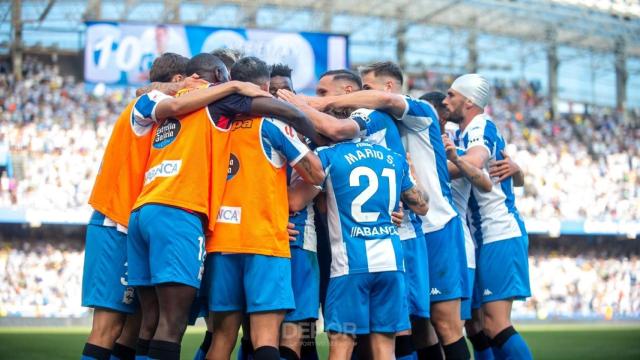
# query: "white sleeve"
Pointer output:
{"type": "Point", "coordinates": [144, 111]}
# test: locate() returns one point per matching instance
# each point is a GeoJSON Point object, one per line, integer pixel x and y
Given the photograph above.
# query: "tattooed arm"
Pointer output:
{"type": "Point", "coordinates": [416, 200]}
{"type": "Point", "coordinates": [310, 169]}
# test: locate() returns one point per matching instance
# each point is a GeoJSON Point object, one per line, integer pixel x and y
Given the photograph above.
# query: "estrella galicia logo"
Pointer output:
{"type": "Point", "coordinates": [166, 133]}
{"type": "Point", "coordinates": [234, 167]}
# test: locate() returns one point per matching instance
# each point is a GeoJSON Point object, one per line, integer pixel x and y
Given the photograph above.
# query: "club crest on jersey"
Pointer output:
{"type": "Point", "coordinates": [166, 168]}
{"type": "Point", "coordinates": [166, 133]}
{"type": "Point", "coordinates": [229, 215]}
{"type": "Point", "coordinates": [234, 167]}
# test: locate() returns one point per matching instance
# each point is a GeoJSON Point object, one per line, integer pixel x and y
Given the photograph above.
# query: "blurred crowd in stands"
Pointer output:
{"type": "Point", "coordinates": [580, 166]}
{"type": "Point", "coordinates": [40, 279]}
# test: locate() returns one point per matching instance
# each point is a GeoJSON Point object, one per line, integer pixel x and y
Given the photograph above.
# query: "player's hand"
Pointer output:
{"type": "Point", "coordinates": [293, 99]}
{"type": "Point", "coordinates": [249, 89]}
{"type": "Point", "coordinates": [397, 216]}
{"type": "Point", "coordinates": [316, 102]}
{"type": "Point", "coordinates": [503, 169]}
{"type": "Point", "coordinates": [450, 148]}
{"type": "Point", "coordinates": [291, 229]}
{"type": "Point", "coordinates": [193, 82]}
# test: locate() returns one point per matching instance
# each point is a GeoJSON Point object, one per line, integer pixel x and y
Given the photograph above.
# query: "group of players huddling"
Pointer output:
{"type": "Point", "coordinates": [210, 202]}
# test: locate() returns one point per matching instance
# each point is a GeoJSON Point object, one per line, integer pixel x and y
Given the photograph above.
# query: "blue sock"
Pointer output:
{"type": "Point", "coordinates": [412, 356]}
{"type": "Point", "coordinates": [201, 354]}
{"type": "Point", "coordinates": [481, 346]}
{"type": "Point", "coordinates": [508, 344]}
{"type": "Point", "coordinates": [498, 354]}
{"type": "Point", "coordinates": [245, 352]}
{"type": "Point", "coordinates": [486, 354]}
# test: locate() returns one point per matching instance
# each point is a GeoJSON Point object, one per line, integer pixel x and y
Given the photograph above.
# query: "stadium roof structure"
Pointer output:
{"type": "Point", "coordinates": [595, 25]}
{"type": "Point", "coordinates": [607, 27]}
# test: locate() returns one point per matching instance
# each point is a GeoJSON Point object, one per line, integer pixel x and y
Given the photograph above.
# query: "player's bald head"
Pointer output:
{"type": "Point", "coordinates": [208, 67]}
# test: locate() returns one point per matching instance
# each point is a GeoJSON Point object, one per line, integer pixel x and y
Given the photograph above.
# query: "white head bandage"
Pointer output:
{"type": "Point", "coordinates": [474, 87]}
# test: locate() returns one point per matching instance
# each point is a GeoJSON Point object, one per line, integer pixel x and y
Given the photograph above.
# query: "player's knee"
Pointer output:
{"type": "Point", "coordinates": [105, 333]}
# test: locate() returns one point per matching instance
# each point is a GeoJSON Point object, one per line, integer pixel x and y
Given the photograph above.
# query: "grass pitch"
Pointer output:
{"type": "Point", "coordinates": [547, 341]}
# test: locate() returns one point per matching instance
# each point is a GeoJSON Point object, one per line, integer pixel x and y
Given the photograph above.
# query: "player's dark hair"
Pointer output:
{"type": "Point", "coordinates": [435, 98]}
{"type": "Point", "coordinates": [281, 70]}
{"type": "Point", "coordinates": [166, 66]}
{"type": "Point", "coordinates": [206, 66]}
{"type": "Point", "coordinates": [228, 56]}
{"type": "Point", "coordinates": [344, 74]}
{"type": "Point", "coordinates": [385, 68]}
{"type": "Point", "coordinates": [251, 69]}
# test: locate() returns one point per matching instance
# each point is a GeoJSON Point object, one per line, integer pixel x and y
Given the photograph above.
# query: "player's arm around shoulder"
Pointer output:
{"type": "Point", "coordinates": [288, 114]}
{"type": "Point", "coordinates": [327, 125]}
{"type": "Point", "coordinates": [394, 104]}
{"type": "Point", "coordinates": [197, 99]}
{"type": "Point", "coordinates": [284, 139]}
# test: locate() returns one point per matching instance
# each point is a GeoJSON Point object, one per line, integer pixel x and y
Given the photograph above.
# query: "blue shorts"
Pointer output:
{"type": "Point", "coordinates": [447, 262]}
{"type": "Point", "coordinates": [367, 303]}
{"type": "Point", "coordinates": [416, 265]}
{"type": "Point", "coordinates": [166, 245]}
{"type": "Point", "coordinates": [467, 304]}
{"type": "Point", "coordinates": [503, 270]}
{"type": "Point", "coordinates": [305, 281]}
{"type": "Point", "coordinates": [250, 283]}
{"type": "Point", "coordinates": [104, 279]}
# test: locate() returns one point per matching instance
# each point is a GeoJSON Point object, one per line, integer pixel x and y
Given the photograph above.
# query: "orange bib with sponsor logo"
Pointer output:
{"type": "Point", "coordinates": [121, 173]}
{"type": "Point", "coordinates": [185, 154]}
{"type": "Point", "coordinates": [254, 211]}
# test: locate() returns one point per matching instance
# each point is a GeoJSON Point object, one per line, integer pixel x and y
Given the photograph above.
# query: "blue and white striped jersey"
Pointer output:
{"type": "Point", "coordinates": [420, 132]}
{"type": "Point", "coordinates": [280, 143]}
{"type": "Point", "coordinates": [493, 215]}
{"type": "Point", "coordinates": [363, 184]}
{"type": "Point", "coordinates": [303, 220]}
{"type": "Point", "coordinates": [461, 191]}
{"type": "Point", "coordinates": [143, 115]}
{"type": "Point", "coordinates": [379, 128]}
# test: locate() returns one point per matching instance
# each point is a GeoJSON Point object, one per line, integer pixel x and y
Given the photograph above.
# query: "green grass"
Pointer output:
{"type": "Point", "coordinates": [547, 341]}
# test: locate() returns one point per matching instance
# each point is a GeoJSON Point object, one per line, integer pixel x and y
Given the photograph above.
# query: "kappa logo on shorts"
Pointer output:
{"type": "Point", "coordinates": [166, 168]}
{"type": "Point", "coordinates": [435, 291]}
{"type": "Point", "coordinates": [487, 292]}
{"type": "Point", "coordinates": [229, 215]}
